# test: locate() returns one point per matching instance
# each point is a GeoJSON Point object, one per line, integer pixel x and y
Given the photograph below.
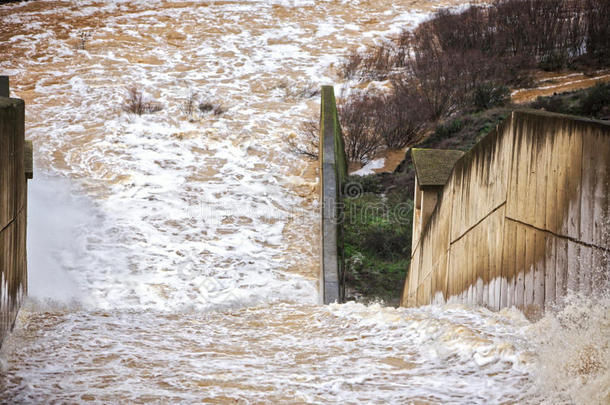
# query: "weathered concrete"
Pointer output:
{"type": "Point", "coordinates": [333, 171]}
{"type": "Point", "coordinates": [28, 156]}
{"type": "Point", "coordinates": [4, 87]}
{"type": "Point", "coordinates": [13, 210]}
{"type": "Point", "coordinates": [432, 167]}
{"type": "Point", "coordinates": [522, 219]}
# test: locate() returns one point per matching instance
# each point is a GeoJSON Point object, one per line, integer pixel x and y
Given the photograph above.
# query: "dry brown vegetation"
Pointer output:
{"type": "Point", "coordinates": [372, 121]}
{"type": "Point", "coordinates": [358, 118]}
{"type": "Point", "coordinates": [209, 106]}
{"type": "Point", "coordinates": [136, 104]}
{"type": "Point", "coordinates": [307, 141]}
{"type": "Point", "coordinates": [467, 61]}
{"type": "Point", "coordinates": [194, 104]}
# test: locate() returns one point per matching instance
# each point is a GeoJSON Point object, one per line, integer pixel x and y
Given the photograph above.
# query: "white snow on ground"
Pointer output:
{"type": "Point", "coordinates": [370, 167]}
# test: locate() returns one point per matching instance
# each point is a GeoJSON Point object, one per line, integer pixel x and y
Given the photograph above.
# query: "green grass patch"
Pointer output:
{"type": "Point", "coordinates": [377, 243]}
{"type": "Point", "coordinates": [593, 102]}
{"type": "Point", "coordinates": [464, 131]}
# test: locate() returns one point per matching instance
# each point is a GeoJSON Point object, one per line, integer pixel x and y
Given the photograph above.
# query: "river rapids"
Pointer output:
{"type": "Point", "coordinates": [173, 256]}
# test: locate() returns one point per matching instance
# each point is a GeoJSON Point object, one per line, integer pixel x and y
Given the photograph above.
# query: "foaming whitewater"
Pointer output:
{"type": "Point", "coordinates": [173, 257]}
{"type": "Point", "coordinates": [573, 345]}
{"type": "Point", "coordinates": [196, 210]}
{"type": "Point", "coordinates": [283, 354]}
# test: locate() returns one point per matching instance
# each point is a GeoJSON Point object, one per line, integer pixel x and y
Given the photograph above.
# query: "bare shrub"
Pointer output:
{"type": "Point", "coordinates": [82, 38]}
{"type": "Point", "coordinates": [136, 104]}
{"type": "Point", "coordinates": [307, 90]}
{"type": "Point", "coordinates": [402, 49]}
{"type": "Point", "coordinates": [597, 30]}
{"type": "Point", "coordinates": [189, 104]}
{"type": "Point", "coordinates": [207, 106]}
{"type": "Point", "coordinates": [433, 77]}
{"type": "Point", "coordinates": [446, 79]}
{"type": "Point", "coordinates": [308, 142]}
{"type": "Point", "coordinates": [511, 36]}
{"type": "Point", "coordinates": [350, 65]}
{"type": "Point", "coordinates": [378, 63]}
{"type": "Point", "coordinates": [219, 109]}
{"type": "Point", "coordinates": [489, 94]}
{"type": "Point", "coordinates": [401, 118]}
{"type": "Point", "coordinates": [464, 60]}
{"type": "Point", "coordinates": [358, 116]}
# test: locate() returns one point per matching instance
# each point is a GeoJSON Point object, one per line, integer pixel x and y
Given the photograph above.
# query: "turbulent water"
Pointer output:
{"type": "Point", "coordinates": [173, 256]}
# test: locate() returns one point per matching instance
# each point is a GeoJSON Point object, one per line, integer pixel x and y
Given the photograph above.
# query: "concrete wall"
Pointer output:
{"type": "Point", "coordinates": [13, 209]}
{"type": "Point", "coordinates": [424, 203]}
{"type": "Point", "coordinates": [522, 219]}
{"type": "Point", "coordinates": [333, 172]}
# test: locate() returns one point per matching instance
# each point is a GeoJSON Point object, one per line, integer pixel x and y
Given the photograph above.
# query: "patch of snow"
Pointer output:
{"type": "Point", "coordinates": [370, 167]}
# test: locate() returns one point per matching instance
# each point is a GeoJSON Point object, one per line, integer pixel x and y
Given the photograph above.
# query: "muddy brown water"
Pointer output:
{"type": "Point", "coordinates": [173, 256]}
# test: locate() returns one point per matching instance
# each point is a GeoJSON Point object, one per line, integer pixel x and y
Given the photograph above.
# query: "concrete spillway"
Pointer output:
{"type": "Point", "coordinates": [521, 221]}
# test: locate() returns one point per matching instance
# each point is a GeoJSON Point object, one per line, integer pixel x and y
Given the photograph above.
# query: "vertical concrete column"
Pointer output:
{"type": "Point", "coordinates": [4, 89]}
{"type": "Point", "coordinates": [333, 170]}
{"type": "Point", "coordinates": [13, 209]}
{"type": "Point", "coordinates": [428, 203]}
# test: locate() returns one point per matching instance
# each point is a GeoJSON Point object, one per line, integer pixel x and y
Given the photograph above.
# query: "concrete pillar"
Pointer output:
{"type": "Point", "coordinates": [4, 87]}
{"type": "Point", "coordinates": [428, 203]}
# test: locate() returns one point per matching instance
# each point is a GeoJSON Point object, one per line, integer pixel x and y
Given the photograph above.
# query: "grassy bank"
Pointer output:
{"type": "Point", "coordinates": [377, 238]}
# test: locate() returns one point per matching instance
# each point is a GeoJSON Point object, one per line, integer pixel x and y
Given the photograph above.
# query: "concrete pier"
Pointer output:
{"type": "Point", "coordinates": [333, 172]}
{"type": "Point", "coordinates": [13, 207]}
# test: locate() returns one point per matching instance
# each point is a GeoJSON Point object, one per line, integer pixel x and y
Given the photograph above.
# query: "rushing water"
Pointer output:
{"type": "Point", "coordinates": [173, 256]}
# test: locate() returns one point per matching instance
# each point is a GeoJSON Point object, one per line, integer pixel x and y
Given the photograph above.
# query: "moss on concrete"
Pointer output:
{"type": "Point", "coordinates": [333, 172]}
{"type": "Point", "coordinates": [329, 117]}
{"type": "Point", "coordinates": [433, 166]}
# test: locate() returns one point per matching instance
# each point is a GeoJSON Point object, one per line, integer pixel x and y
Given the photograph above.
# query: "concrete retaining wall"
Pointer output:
{"type": "Point", "coordinates": [13, 210]}
{"type": "Point", "coordinates": [333, 172]}
{"type": "Point", "coordinates": [522, 219]}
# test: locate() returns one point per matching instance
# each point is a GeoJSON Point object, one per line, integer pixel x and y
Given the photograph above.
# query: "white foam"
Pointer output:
{"type": "Point", "coordinates": [333, 354]}
{"type": "Point", "coordinates": [183, 243]}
